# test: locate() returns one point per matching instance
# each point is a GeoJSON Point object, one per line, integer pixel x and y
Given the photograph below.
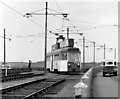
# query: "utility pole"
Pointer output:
{"type": "Point", "coordinates": [115, 54]}
{"type": "Point", "coordinates": [5, 54]}
{"type": "Point", "coordinates": [45, 57]}
{"type": "Point", "coordinates": [83, 53]}
{"type": "Point", "coordinates": [94, 54]}
{"type": "Point", "coordinates": [67, 33]}
{"type": "Point", "coordinates": [4, 49]}
{"type": "Point", "coordinates": [46, 14]}
{"type": "Point", "coordinates": [104, 51]}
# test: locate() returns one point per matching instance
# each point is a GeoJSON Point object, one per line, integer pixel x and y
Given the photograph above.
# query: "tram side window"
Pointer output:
{"type": "Point", "coordinates": [56, 57]}
{"type": "Point", "coordinates": [48, 58]}
{"type": "Point", "coordinates": [64, 56]}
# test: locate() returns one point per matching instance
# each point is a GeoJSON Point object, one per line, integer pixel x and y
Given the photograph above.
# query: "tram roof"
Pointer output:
{"type": "Point", "coordinates": [63, 50]}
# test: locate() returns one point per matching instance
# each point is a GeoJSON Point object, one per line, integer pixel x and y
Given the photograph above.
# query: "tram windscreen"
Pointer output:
{"type": "Point", "coordinates": [73, 57]}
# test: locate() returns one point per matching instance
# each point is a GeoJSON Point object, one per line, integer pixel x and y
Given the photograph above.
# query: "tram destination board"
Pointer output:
{"type": "Point", "coordinates": [65, 43]}
{"type": "Point", "coordinates": [55, 46]}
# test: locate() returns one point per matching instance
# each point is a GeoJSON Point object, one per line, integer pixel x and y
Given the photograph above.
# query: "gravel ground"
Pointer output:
{"type": "Point", "coordinates": [68, 87]}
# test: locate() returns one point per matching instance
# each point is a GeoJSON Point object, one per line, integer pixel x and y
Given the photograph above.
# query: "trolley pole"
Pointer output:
{"type": "Point", "coordinates": [83, 53]}
{"type": "Point", "coordinates": [67, 33]}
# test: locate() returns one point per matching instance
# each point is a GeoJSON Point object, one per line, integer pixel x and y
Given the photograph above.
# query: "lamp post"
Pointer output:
{"type": "Point", "coordinates": [81, 34]}
{"type": "Point", "coordinates": [94, 54]}
{"type": "Point", "coordinates": [105, 48]}
{"type": "Point", "coordinates": [4, 37]}
{"type": "Point", "coordinates": [83, 53]}
{"type": "Point", "coordinates": [94, 46]}
{"type": "Point", "coordinates": [114, 49]}
{"type": "Point", "coordinates": [104, 51]}
{"type": "Point", "coordinates": [4, 49]}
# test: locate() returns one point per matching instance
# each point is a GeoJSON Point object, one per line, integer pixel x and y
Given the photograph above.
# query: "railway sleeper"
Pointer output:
{"type": "Point", "coordinates": [12, 97]}
{"type": "Point", "coordinates": [33, 94]}
{"type": "Point", "coordinates": [15, 77]}
{"type": "Point", "coordinates": [18, 86]}
{"type": "Point", "coordinates": [51, 92]}
{"type": "Point", "coordinates": [43, 90]}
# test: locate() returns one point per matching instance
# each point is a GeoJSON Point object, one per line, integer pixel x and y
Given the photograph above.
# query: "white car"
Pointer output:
{"type": "Point", "coordinates": [109, 67]}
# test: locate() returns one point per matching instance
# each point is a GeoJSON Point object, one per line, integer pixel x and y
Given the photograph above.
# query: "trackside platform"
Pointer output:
{"type": "Point", "coordinates": [105, 86]}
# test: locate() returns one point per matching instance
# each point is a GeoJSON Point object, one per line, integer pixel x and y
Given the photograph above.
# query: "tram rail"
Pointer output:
{"type": "Point", "coordinates": [32, 89]}
{"type": "Point", "coordinates": [19, 76]}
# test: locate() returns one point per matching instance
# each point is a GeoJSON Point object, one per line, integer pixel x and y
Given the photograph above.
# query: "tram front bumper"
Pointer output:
{"type": "Point", "coordinates": [73, 67]}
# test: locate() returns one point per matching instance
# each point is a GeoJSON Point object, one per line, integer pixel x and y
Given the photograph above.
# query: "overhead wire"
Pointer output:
{"type": "Point", "coordinates": [58, 6]}
{"type": "Point", "coordinates": [42, 26]}
{"type": "Point", "coordinates": [13, 9]}
{"type": "Point", "coordinates": [19, 13]}
{"type": "Point", "coordinates": [88, 27]}
{"type": "Point", "coordinates": [43, 9]}
{"type": "Point", "coordinates": [63, 19]}
{"type": "Point", "coordinates": [81, 21]}
{"type": "Point", "coordinates": [75, 27]}
{"type": "Point", "coordinates": [25, 36]}
{"type": "Point", "coordinates": [41, 37]}
{"type": "Point", "coordinates": [35, 23]}
{"type": "Point", "coordinates": [38, 10]}
{"type": "Point", "coordinates": [49, 9]}
{"type": "Point", "coordinates": [89, 41]}
{"type": "Point", "coordinates": [54, 11]}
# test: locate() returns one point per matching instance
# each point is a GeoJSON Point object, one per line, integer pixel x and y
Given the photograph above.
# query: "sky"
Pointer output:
{"type": "Point", "coordinates": [98, 20]}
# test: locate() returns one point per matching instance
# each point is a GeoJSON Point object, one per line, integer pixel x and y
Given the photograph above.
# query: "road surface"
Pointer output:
{"type": "Point", "coordinates": [105, 86]}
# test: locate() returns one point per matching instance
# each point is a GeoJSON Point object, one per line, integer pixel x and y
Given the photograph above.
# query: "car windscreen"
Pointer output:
{"type": "Point", "coordinates": [109, 63]}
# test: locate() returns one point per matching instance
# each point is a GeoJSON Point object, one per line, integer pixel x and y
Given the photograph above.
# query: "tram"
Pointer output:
{"type": "Point", "coordinates": [64, 58]}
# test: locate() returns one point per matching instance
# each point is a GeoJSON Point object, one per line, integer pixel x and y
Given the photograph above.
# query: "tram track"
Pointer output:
{"type": "Point", "coordinates": [30, 90]}
{"type": "Point", "coordinates": [34, 89]}
{"type": "Point", "coordinates": [19, 76]}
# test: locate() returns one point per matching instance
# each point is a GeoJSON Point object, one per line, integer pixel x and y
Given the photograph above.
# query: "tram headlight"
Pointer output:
{"type": "Point", "coordinates": [68, 64]}
{"type": "Point", "coordinates": [78, 64]}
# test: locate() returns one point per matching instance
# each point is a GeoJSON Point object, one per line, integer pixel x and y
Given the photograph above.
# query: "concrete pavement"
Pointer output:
{"type": "Point", "coordinates": [105, 86]}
